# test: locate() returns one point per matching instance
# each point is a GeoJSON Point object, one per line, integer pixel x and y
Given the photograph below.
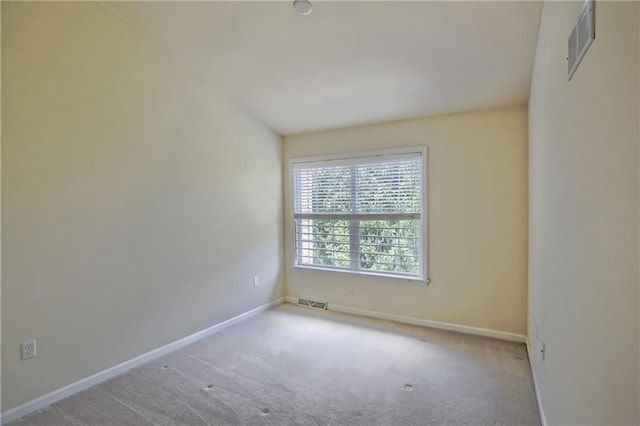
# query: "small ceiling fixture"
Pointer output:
{"type": "Point", "coordinates": [302, 7]}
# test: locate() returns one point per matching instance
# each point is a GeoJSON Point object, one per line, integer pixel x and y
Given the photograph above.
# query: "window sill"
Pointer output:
{"type": "Point", "coordinates": [406, 279]}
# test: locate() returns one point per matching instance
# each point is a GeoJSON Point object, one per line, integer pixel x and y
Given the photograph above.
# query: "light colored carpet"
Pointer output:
{"type": "Point", "coordinates": [292, 365]}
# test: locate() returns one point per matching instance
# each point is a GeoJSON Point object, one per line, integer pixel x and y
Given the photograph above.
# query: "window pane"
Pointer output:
{"type": "Point", "coordinates": [389, 187]}
{"type": "Point", "coordinates": [323, 242]}
{"type": "Point", "coordinates": [323, 190]}
{"type": "Point", "coordinates": [390, 246]}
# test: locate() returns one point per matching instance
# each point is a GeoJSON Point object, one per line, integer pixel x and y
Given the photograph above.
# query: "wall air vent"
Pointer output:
{"type": "Point", "coordinates": [312, 304]}
{"type": "Point", "coordinates": [582, 36]}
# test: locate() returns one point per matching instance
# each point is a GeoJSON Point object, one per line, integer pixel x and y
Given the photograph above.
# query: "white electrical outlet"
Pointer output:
{"type": "Point", "coordinates": [256, 282]}
{"type": "Point", "coordinates": [351, 292]}
{"type": "Point", "coordinates": [28, 349]}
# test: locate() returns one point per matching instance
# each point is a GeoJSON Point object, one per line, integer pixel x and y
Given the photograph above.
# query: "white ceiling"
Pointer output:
{"type": "Point", "coordinates": [349, 63]}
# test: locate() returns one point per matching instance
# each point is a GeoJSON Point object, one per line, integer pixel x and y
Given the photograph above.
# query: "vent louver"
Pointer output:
{"type": "Point", "coordinates": [582, 36]}
{"type": "Point", "coordinates": [312, 304]}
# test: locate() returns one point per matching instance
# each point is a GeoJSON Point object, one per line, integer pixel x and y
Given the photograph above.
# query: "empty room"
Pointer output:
{"type": "Point", "coordinates": [320, 212]}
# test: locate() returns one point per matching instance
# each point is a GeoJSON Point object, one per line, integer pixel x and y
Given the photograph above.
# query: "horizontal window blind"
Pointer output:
{"type": "Point", "coordinates": [360, 214]}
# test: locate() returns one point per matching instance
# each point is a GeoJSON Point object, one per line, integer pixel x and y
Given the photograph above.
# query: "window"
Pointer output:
{"type": "Point", "coordinates": [361, 213]}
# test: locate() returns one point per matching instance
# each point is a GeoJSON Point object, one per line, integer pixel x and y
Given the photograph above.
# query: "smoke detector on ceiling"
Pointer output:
{"type": "Point", "coordinates": [302, 7]}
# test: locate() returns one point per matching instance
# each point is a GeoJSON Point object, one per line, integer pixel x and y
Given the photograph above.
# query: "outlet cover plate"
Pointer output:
{"type": "Point", "coordinates": [28, 349]}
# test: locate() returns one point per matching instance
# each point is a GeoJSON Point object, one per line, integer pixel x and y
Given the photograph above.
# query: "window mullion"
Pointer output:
{"type": "Point", "coordinates": [354, 224]}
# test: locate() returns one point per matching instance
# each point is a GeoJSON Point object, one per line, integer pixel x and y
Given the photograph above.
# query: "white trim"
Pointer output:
{"type": "Point", "coordinates": [409, 279]}
{"type": "Point", "coordinates": [87, 382]}
{"type": "Point", "coordinates": [424, 247]}
{"type": "Point", "coordinates": [354, 155]}
{"type": "Point", "coordinates": [543, 419]}
{"type": "Point", "coordinates": [502, 335]}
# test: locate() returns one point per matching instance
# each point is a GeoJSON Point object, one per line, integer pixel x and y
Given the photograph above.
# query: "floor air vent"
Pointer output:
{"type": "Point", "coordinates": [312, 304]}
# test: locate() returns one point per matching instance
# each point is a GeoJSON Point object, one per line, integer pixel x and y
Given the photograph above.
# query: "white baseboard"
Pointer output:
{"type": "Point", "coordinates": [543, 419]}
{"type": "Point", "coordinates": [87, 382]}
{"type": "Point", "coordinates": [503, 335]}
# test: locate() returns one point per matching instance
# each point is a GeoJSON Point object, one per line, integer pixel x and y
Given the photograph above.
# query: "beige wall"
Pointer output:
{"type": "Point", "coordinates": [583, 205]}
{"type": "Point", "coordinates": [135, 211]}
{"type": "Point", "coordinates": [477, 170]}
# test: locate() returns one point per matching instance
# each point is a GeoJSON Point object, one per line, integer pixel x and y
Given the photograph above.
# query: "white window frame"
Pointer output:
{"type": "Point", "coordinates": [423, 276]}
